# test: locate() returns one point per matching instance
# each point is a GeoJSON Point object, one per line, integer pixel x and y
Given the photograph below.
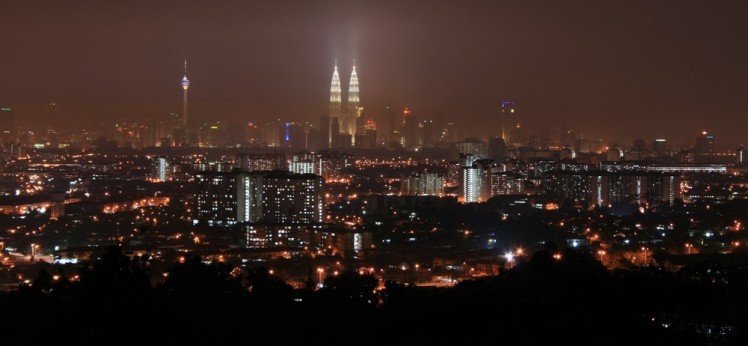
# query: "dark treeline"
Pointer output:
{"type": "Point", "coordinates": [543, 300]}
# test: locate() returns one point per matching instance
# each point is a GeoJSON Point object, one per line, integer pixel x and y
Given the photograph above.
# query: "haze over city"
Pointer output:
{"type": "Point", "coordinates": [373, 172]}
{"type": "Point", "coordinates": [662, 69]}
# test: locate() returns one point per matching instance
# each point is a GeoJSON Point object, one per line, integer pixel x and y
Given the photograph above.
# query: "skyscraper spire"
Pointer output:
{"type": "Point", "coordinates": [354, 111]}
{"type": "Point", "coordinates": [353, 88]}
{"type": "Point", "coordinates": [335, 93]}
{"type": "Point", "coordinates": [335, 102]}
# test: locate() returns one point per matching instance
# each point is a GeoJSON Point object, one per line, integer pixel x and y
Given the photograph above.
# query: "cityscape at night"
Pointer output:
{"type": "Point", "coordinates": [374, 173]}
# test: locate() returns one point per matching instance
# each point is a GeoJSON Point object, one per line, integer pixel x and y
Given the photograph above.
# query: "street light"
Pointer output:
{"type": "Point", "coordinates": [509, 259]}
{"type": "Point", "coordinates": [644, 249]}
{"type": "Point", "coordinates": [33, 251]}
{"type": "Point", "coordinates": [688, 247]}
{"type": "Point", "coordinates": [601, 253]}
{"type": "Point", "coordinates": [320, 271]}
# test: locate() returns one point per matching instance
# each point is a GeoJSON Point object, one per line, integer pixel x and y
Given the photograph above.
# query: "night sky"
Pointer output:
{"type": "Point", "coordinates": [617, 70]}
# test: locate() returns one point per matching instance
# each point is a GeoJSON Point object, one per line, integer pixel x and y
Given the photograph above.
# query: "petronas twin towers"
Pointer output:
{"type": "Point", "coordinates": [348, 118]}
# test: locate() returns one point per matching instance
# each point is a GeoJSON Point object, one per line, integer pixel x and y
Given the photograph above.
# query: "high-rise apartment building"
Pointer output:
{"type": "Point", "coordinates": [475, 178]}
{"type": "Point", "coordinates": [303, 162]}
{"type": "Point", "coordinates": [268, 197]}
{"type": "Point", "coordinates": [160, 169]}
{"type": "Point", "coordinates": [216, 198]}
{"type": "Point", "coordinates": [422, 184]}
{"type": "Point", "coordinates": [289, 198]}
{"type": "Point", "coordinates": [260, 162]}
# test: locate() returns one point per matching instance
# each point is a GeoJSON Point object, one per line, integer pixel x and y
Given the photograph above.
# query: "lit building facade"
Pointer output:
{"type": "Point", "coordinates": [475, 178]}
{"type": "Point", "coordinates": [160, 169]}
{"type": "Point", "coordinates": [260, 162]}
{"type": "Point", "coordinates": [268, 197]}
{"type": "Point", "coordinates": [596, 188]}
{"type": "Point", "coordinates": [216, 198]}
{"type": "Point", "coordinates": [507, 183]}
{"type": "Point", "coordinates": [303, 162]}
{"type": "Point", "coordinates": [330, 164]}
{"type": "Point", "coordinates": [422, 184]}
{"type": "Point", "coordinates": [289, 198]}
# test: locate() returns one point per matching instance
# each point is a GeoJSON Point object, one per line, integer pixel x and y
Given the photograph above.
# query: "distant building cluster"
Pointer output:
{"type": "Point", "coordinates": [259, 191]}
{"type": "Point", "coordinates": [603, 188]}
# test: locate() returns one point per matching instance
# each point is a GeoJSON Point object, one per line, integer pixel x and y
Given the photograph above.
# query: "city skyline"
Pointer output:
{"type": "Point", "coordinates": [374, 172]}
{"type": "Point", "coordinates": [654, 70]}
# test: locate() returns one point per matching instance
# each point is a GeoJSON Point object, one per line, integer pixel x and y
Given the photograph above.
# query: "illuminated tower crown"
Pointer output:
{"type": "Point", "coordinates": [335, 93]}
{"type": "Point", "coordinates": [353, 89]}
{"type": "Point", "coordinates": [185, 81]}
{"type": "Point", "coordinates": [335, 104]}
{"type": "Point", "coordinates": [354, 111]}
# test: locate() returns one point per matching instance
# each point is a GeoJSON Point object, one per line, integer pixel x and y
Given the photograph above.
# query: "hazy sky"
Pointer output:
{"type": "Point", "coordinates": [611, 69]}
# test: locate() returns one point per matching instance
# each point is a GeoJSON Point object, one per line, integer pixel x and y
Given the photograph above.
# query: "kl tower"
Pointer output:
{"type": "Point", "coordinates": [185, 86]}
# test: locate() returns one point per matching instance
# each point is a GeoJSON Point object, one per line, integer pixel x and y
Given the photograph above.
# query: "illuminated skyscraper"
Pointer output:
{"type": "Point", "coordinates": [475, 178]}
{"type": "Point", "coordinates": [336, 99]}
{"type": "Point", "coordinates": [354, 111]}
{"type": "Point", "coordinates": [160, 169]}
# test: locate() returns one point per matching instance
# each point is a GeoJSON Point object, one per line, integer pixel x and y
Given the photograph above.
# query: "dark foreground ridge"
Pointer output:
{"type": "Point", "coordinates": [542, 300]}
